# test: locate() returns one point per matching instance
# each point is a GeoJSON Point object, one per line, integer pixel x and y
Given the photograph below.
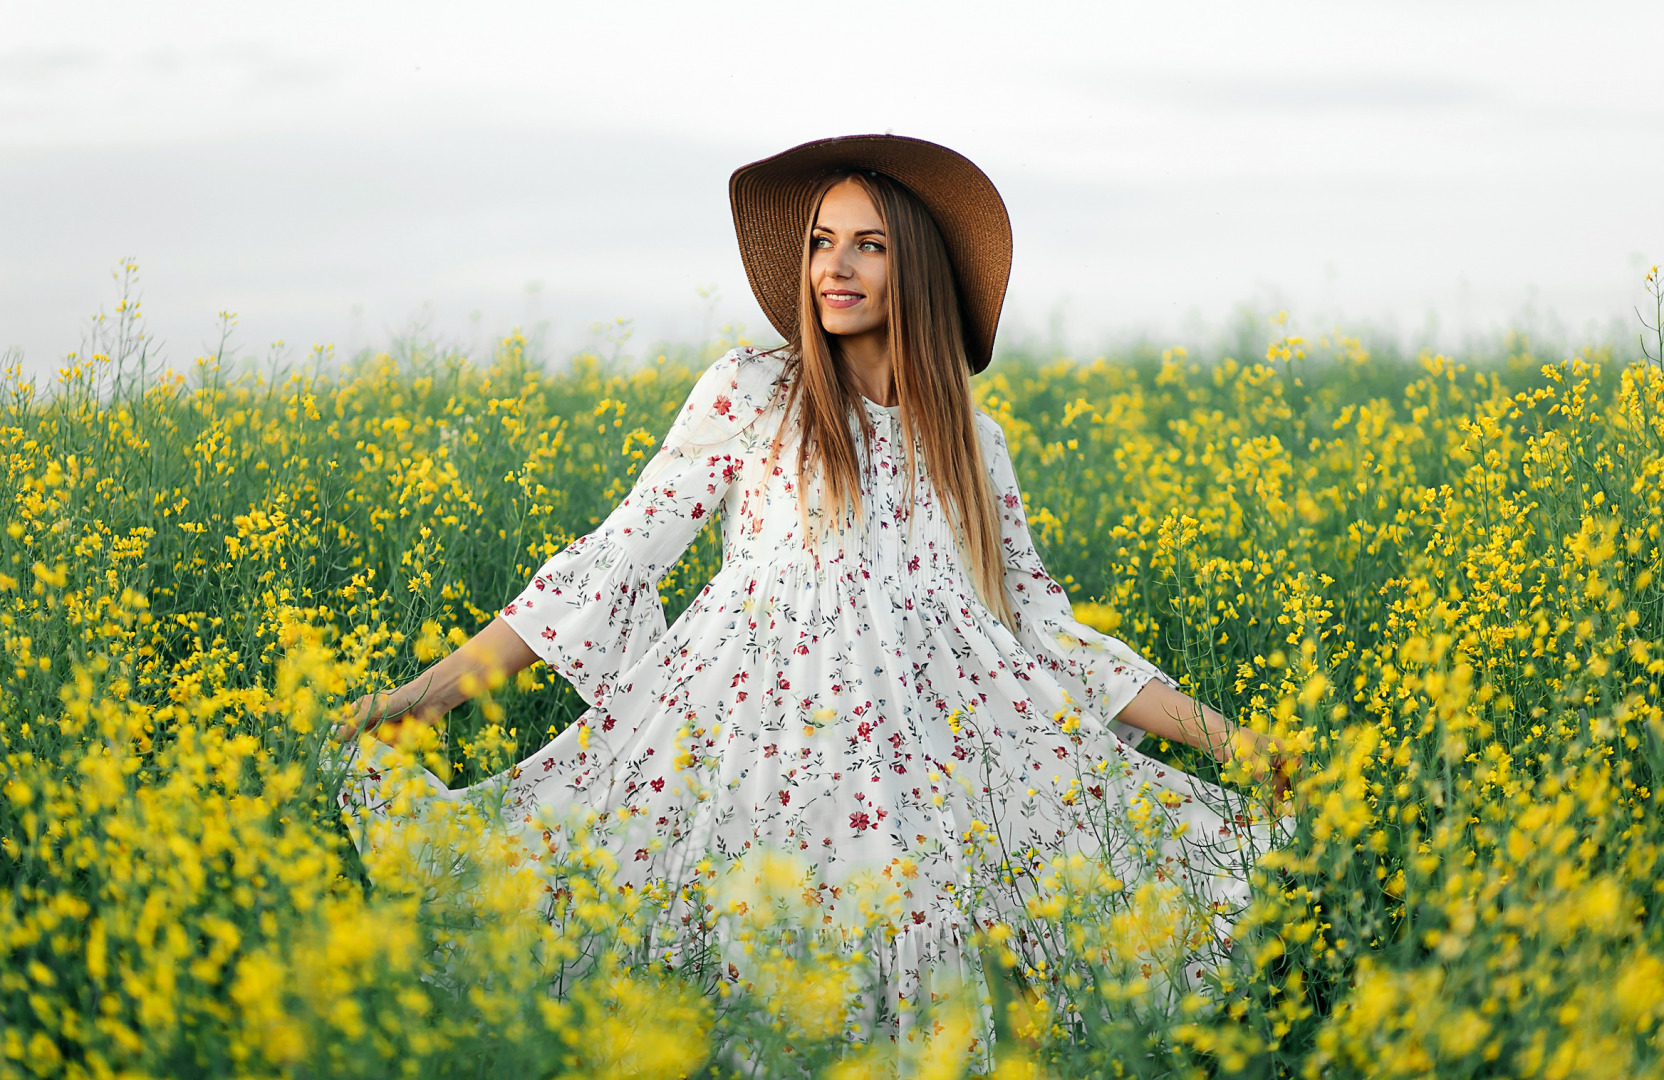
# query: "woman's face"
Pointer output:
{"type": "Point", "coordinates": [849, 267]}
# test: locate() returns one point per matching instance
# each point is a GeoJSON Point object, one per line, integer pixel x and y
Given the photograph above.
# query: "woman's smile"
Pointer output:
{"type": "Point", "coordinates": [841, 299]}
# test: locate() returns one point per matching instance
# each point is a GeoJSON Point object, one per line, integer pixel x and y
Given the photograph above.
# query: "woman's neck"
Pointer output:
{"type": "Point", "coordinates": [867, 359]}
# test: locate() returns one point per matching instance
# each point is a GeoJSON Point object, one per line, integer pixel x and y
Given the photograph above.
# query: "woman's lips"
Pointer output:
{"type": "Point", "coordinates": [842, 299]}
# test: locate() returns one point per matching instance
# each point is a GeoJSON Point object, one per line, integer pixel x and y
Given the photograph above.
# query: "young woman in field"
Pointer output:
{"type": "Point", "coordinates": [882, 678]}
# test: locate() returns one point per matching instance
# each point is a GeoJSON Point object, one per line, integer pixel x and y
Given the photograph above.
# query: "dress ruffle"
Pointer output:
{"type": "Point", "coordinates": [589, 613]}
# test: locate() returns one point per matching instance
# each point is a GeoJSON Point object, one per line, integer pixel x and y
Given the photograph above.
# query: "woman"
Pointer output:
{"type": "Point", "coordinates": [882, 675]}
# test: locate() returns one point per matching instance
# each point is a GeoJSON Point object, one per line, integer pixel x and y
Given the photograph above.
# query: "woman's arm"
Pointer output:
{"type": "Point", "coordinates": [593, 608]}
{"type": "Point", "coordinates": [1169, 714]}
{"type": "Point", "coordinates": [490, 655]}
{"type": "Point", "coordinates": [1118, 683]}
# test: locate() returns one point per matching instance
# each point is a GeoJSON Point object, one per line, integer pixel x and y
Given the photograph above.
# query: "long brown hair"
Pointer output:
{"type": "Point", "coordinates": [933, 384]}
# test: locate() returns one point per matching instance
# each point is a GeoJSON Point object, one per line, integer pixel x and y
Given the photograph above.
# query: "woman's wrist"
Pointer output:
{"type": "Point", "coordinates": [1223, 747]}
{"type": "Point", "coordinates": [406, 702]}
{"type": "Point", "coordinates": [421, 703]}
{"type": "Point", "coordinates": [385, 705]}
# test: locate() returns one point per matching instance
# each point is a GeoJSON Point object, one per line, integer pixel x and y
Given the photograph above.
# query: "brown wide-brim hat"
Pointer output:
{"type": "Point", "coordinates": [772, 203]}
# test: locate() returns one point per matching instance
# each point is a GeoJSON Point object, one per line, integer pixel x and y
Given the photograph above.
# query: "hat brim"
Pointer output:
{"type": "Point", "coordinates": [771, 202]}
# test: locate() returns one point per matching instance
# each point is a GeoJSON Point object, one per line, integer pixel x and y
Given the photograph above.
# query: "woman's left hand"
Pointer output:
{"type": "Point", "coordinates": [1268, 758]}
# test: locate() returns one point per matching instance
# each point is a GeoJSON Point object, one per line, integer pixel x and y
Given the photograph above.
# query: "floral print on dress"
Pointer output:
{"type": "Point", "coordinates": [842, 694]}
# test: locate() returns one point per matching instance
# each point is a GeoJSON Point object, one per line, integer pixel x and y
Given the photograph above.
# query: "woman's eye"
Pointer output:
{"type": "Point", "coordinates": [871, 246]}
{"type": "Point", "coordinates": [821, 243]}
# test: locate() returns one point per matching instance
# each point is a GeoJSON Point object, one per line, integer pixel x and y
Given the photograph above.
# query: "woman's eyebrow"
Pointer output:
{"type": "Point", "coordinates": [858, 232]}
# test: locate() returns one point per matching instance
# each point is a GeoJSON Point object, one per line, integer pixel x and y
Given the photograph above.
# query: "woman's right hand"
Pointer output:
{"type": "Point", "coordinates": [370, 713]}
{"type": "Point", "coordinates": [492, 654]}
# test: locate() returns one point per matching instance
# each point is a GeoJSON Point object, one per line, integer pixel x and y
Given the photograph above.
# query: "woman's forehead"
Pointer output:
{"type": "Point", "coordinates": [847, 205]}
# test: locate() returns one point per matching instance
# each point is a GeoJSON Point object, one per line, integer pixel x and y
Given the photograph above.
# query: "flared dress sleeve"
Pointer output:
{"type": "Point", "coordinates": [1103, 673]}
{"type": "Point", "coordinates": [593, 609]}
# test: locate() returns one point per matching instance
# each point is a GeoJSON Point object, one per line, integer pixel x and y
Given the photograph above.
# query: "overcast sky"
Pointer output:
{"type": "Point", "coordinates": [335, 172]}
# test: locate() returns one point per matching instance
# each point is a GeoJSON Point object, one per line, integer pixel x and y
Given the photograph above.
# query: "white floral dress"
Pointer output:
{"type": "Point", "coordinates": [851, 703]}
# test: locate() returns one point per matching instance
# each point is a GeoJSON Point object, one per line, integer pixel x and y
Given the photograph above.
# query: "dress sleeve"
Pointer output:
{"type": "Point", "coordinates": [1103, 673]}
{"type": "Point", "coordinates": [593, 609]}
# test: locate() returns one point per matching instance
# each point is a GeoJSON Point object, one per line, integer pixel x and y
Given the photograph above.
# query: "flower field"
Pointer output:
{"type": "Point", "coordinates": [1440, 581]}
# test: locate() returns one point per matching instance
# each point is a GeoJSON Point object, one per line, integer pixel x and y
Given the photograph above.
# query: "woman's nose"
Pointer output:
{"type": "Point", "coordinates": [838, 265]}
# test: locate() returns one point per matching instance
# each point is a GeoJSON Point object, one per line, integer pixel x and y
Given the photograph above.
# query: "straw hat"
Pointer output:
{"type": "Point", "coordinates": [771, 200]}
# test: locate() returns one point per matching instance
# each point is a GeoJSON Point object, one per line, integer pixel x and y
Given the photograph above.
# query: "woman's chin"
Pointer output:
{"type": "Point", "coordinates": [839, 324]}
